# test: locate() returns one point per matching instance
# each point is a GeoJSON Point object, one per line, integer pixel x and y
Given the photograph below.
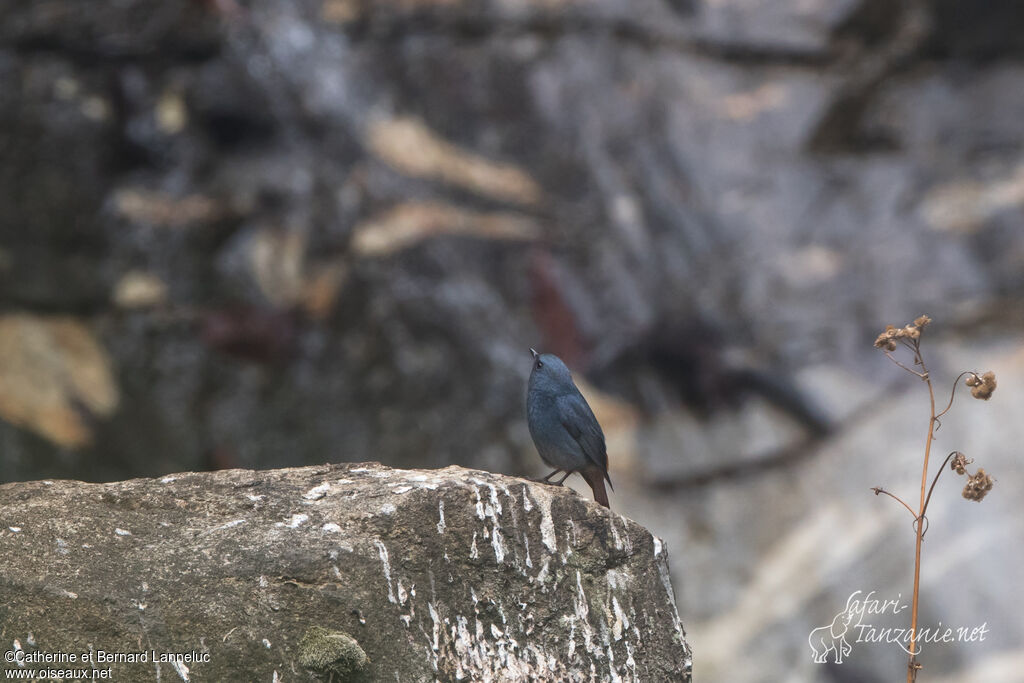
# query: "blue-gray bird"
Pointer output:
{"type": "Point", "coordinates": [563, 426]}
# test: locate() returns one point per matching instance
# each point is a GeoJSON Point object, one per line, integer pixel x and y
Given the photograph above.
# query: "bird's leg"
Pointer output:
{"type": "Point", "coordinates": [559, 482]}
{"type": "Point", "coordinates": [547, 479]}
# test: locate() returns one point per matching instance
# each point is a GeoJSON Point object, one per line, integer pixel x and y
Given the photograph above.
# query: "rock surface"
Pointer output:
{"type": "Point", "coordinates": [359, 570]}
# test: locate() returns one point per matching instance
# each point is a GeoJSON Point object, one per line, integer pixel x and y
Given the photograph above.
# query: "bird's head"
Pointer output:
{"type": "Point", "coordinates": [549, 371]}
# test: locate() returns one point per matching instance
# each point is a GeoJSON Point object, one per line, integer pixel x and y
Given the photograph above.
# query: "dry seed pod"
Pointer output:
{"type": "Point", "coordinates": [984, 388]}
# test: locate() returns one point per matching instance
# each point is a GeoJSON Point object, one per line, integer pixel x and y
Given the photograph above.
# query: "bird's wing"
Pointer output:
{"type": "Point", "coordinates": [578, 419]}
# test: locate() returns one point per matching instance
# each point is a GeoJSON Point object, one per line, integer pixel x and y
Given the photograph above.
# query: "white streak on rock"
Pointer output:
{"type": "Point", "coordinates": [619, 545]}
{"type": "Point", "coordinates": [440, 513]}
{"type": "Point", "coordinates": [498, 544]}
{"type": "Point", "coordinates": [666, 582]}
{"type": "Point", "coordinates": [181, 669]}
{"type": "Point", "coordinates": [547, 525]}
{"type": "Point", "coordinates": [628, 541]}
{"type": "Point", "coordinates": [494, 498]}
{"type": "Point", "coordinates": [317, 492]}
{"type": "Point", "coordinates": [493, 510]}
{"type": "Point", "coordinates": [542, 575]}
{"type": "Point", "coordinates": [479, 504]}
{"type": "Point", "coordinates": [621, 620]}
{"type": "Point", "coordinates": [383, 552]}
{"type": "Point", "coordinates": [614, 676]}
{"type": "Point", "coordinates": [582, 612]}
{"type": "Point", "coordinates": [434, 617]}
{"type": "Point", "coordinates": [295, 522]}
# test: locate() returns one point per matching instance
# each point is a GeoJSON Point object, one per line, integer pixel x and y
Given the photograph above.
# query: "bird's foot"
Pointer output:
{"type": "Point", "coordinates": [547, 479]}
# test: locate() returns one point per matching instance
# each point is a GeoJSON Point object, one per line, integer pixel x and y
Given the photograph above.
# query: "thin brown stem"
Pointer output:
{"type": "Point", "coordinates": [879, 489]}
{"type": "Point", "coordinates": [922, 375]}
{"type": "Point", "coordinates": [936, 481]}
{"type": "Point", "coordinates": [912, 665]}
{"type": "Point", "coordinates": [910, 345]}
{"type": "Point", "coordinates": [952, 393]}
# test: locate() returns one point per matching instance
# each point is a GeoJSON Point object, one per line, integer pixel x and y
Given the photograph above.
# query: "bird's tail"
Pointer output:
{"type": "Point", "coordinates": [595, 477]}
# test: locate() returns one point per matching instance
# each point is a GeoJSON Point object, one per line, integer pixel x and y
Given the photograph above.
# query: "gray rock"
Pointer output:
{"type": "Point", "coordinates": [343, 571]}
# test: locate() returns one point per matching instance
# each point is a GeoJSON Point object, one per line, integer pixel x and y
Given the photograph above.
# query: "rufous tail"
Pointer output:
{"type": "Point", "coordinates": [595, 478]}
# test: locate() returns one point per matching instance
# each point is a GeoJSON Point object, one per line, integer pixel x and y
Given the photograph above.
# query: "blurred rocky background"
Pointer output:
{"type": "Point", "coordinates": [262, 234]}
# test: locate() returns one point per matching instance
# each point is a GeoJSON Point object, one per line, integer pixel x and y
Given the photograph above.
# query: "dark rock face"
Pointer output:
{"type": "Point", "coordinates": [352, 571]}
{"type": "Point", "coordinates": [339, 224]}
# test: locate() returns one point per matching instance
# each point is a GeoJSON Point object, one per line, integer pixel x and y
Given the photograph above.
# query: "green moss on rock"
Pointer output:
{"type": "Point", "coordinates": [334, 653]}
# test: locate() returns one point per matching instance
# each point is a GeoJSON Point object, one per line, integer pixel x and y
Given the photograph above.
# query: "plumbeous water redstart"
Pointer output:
{"type": "Point", "coordinates": [563, 426]}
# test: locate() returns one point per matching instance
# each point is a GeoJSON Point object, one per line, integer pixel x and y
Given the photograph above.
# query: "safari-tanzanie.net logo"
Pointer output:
{"type": "Point", "coordinates": [865, 620]}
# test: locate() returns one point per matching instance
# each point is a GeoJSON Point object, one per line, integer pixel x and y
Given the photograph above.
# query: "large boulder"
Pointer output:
{"type": "Point", "coordinates": [350, 572]}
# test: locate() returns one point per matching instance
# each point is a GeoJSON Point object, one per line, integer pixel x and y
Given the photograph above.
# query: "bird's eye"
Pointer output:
{"type": "Point", "coordinates": [539, 365]}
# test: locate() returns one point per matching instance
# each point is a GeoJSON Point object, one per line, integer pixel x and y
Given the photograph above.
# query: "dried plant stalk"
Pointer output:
{"type": "Point", "coordinates": [978, 484]}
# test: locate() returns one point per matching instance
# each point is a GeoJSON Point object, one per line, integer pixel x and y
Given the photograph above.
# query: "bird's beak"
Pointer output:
{"type": "Point", "coordinates": [535, 354]}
